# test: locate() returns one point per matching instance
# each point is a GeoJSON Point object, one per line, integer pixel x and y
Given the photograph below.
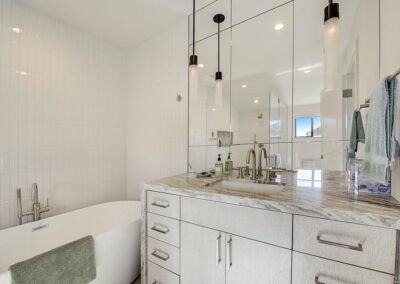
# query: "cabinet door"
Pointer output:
{"type": "Point", "coordinates": [202, 255]}
{"type": "Point", "coordinates": [250, 261]}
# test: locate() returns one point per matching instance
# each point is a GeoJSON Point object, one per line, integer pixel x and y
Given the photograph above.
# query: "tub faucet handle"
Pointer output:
{"type": "Point", "coordinates": [45, 209]}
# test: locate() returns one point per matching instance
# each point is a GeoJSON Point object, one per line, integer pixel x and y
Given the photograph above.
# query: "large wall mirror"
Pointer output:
{"type": "Point", "coordinates": [274, 82]}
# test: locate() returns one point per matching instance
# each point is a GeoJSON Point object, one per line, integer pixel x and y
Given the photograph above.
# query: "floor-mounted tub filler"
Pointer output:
{"type": "Point", "coordinates": [115, 227]}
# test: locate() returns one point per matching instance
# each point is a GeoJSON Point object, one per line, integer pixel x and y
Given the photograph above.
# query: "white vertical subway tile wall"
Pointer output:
{"type": "Point", "coordinates": [63, 96]}
{"type": "Point", "coordinates": [157, 122]}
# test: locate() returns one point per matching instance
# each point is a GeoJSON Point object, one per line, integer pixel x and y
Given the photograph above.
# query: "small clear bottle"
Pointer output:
{"type": "Point", "coordinates": [219, 167]}
{"type": "Point", "coordinates": [229, 164]}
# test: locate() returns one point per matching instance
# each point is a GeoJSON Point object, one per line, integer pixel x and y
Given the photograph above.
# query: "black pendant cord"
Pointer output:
{"type": "Point", "coordinates": [219, 18]}
{"type": "Point", "coordinates": [194, 26]}
{"type": "Point", "coordinates": [219, 46]}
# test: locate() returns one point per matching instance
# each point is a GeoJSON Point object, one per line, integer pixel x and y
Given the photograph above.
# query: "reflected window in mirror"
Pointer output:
{"type": "Point", "coordinates": [308, 126]}
{"type": "Point", "coordinates": [275, 128]}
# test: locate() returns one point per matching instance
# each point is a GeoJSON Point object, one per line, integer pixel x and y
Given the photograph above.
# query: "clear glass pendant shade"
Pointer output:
{"type": "Point", "coordinates": [193, 81]}
{"type": "Point", "coordinates": [218, 94]}
{"type": "Point", "coordinates": [331, 53]}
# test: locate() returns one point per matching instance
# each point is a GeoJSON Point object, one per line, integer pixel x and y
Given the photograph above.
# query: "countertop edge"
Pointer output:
{"type": "Point", "coordinates": [375, 220]}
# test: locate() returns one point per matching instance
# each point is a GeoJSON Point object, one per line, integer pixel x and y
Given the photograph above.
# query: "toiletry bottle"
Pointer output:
{"type": "Point", "coordinates": [219, 167]}
{"type": "Point", "coordinates": [229, 164]}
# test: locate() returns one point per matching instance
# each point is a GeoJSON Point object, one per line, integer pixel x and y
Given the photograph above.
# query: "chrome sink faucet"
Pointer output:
{"type": "Point", "coordinates": [36, 209]}
{"type": "Point", "coordinates": [260, 154]}
{"type": "Point", "coordinates": [252, 154]}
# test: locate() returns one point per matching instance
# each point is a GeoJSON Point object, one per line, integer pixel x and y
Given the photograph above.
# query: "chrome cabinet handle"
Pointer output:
{"type": "Point", "coordinates": [229, 254]}
{"type": "Point", "coordinates": [160, 230]}
{"type": "Point", "coordinates": [156, 253]}
{"type": "Point", "coordinates": [219, 249]}
{"type": "Point", "coordinates": [359, 247]}
{"type": "Point", "coordinates": [155, 203]}
{"type": "Point", "coordinates": [316, 279]}
{"type": "Point", "coordinates": [156, 282]}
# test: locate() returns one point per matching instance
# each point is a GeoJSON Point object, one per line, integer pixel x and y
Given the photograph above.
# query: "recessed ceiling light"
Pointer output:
{"type": "Point", "coordinates": [214, 109]}
{"type": "Point", "coordinates": [16, 30]}
{"type": "Point", "coordinates": [307, 71]}
{"type": "Point", "coordinates": [201, 65]}
{"type": "Point", "coordinates": [279, 26]}
{"type": "Point", "coordinates": [244, 86]}
{"type": "Point", "coordinates": [256, 101]}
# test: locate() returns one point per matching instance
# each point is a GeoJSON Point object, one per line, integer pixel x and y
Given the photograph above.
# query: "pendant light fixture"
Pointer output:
{"type": "Point", "coordinates": [219, 18]}
{"type": "Point", "coordinates": [193, 60]}
{"type": "Point", "coordinates": [331, 45]}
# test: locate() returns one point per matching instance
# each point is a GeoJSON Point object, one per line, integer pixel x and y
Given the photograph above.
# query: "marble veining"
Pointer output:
{"type": "Point", "coordinates": [330, 197]}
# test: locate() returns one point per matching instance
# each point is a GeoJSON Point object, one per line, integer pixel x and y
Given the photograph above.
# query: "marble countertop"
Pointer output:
{"type": "Point", "coordinates": [309, 193]}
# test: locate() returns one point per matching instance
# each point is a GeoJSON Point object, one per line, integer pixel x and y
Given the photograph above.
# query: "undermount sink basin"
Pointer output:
{"type": "Point", "coordinates": [249, 186]}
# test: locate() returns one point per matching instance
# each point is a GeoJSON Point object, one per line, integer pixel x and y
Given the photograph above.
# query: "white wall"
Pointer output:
{"type": "Point", "coordinates": [157, 123]}
{"type": "Point", "coordinates": [390, 59]}
{"type": "Point", "coordinates": [62, 114]}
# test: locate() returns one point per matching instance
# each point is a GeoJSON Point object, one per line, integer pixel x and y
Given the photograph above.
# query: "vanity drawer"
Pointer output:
{"type": "Point", "coordinates": [359, 245]}
{"type": "Point", "coordinates": [158, 275]}
{"type": "Point", "coordinates": [256, 224]}
{"type": "Point", "coordinates": [163, 254]}
{"type": "Point", "coordinates": [310, 269]}
{"type": "Point", "coordinates": [163, 228]}
{"type": "Point", "coordinates": [163, 204]}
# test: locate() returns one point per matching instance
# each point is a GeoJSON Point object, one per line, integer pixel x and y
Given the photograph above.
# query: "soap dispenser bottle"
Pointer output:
{"type": "Point", "coordinates": [219, 167]}
{"type": "Point", "coordinates": [229, 164]}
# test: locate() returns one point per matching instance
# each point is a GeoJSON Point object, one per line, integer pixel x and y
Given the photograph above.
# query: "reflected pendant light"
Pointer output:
{"type": "Point", "coordinates": [219, 18]}
{"type": "Point", "coordinates": [331, 45]}
{"type": "Point", "coordinates": [193, 60]}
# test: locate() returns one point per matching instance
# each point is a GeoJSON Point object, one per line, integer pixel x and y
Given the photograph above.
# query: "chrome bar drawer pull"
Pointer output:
{"type": "Point", "coordinates": [317, 281]}
{"type": "Point", "coordinates": [160, 229]}
{"type": "Point", "coordinates": [357, 248]}
{"type": "Point", "coordinates": [219, 249]}
{"type": "Point", "coordinates": [229, 254]}
{"type": "Point", "coordinates": [160, 254]}
{"type": "Point", "coordinates": [160, 203]}
{"type": "Point", "coordinates": [156, 282]}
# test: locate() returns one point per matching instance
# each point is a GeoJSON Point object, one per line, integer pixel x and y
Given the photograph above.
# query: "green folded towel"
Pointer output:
{"type": "Point", "coordinates": [73, 263]}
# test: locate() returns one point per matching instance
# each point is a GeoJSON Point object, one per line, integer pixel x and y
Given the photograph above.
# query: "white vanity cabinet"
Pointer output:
{"type": "Point", "coordinates": [214, 257]}
{"type": "Point", "coordinates": [197, 241]}
{"type": "Point", "coordinates": [202, 254]}
{"type": "Point", "coordinates": [221, 244]}
{"type": "Point", "coordinates": [251, 261]}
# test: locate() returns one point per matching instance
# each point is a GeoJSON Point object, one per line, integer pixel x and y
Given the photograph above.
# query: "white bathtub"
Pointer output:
{"type": "Point", "coordinates": [115, 227]}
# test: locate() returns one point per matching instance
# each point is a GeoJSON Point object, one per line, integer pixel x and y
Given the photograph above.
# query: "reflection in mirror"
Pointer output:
{"type": "Point", "coordinates": [261, 96]}
{"type": "Point", "coordinates": [322, 118]}
{"type": "Point", "coordinates": [206, 118]}
{"type": "Point", "coordinates": [275, 95]}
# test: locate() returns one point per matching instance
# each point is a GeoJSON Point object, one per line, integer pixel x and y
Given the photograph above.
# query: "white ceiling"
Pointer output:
{"type": "Point", "coordinates": [124, 23]}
